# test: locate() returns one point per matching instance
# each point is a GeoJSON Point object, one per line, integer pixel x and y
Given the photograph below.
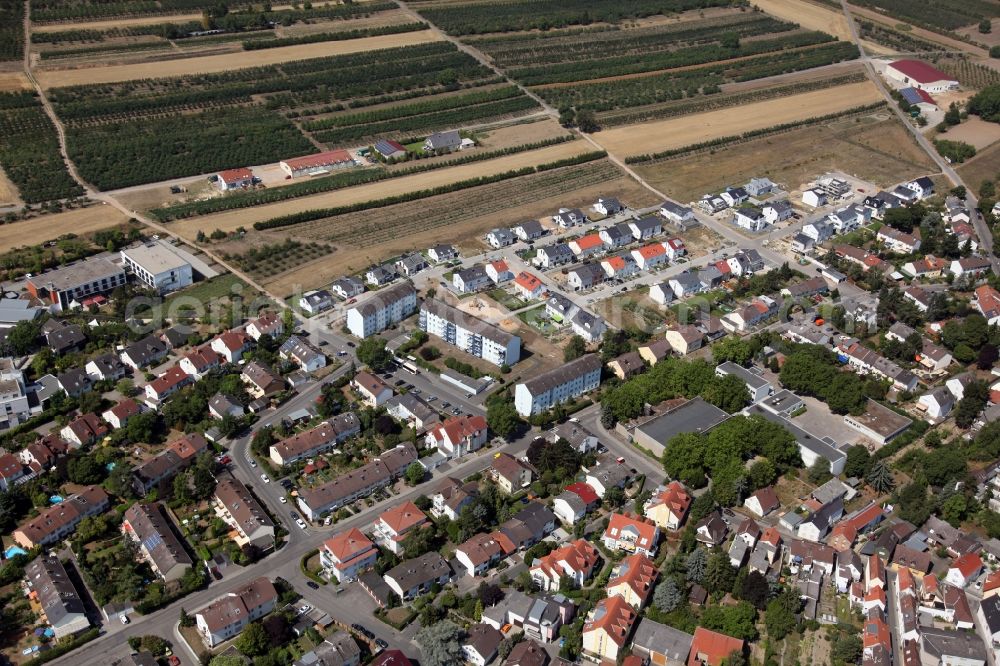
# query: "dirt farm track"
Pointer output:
{"type": "Point", "coordinates": [695, 128]}
{"type": "Point", "coordinates": [226, 62]}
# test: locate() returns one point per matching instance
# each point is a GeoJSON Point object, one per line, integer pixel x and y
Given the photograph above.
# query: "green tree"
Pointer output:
{"type": "Point", "coordinates": [372, 352]}
{"type": "Point", "coordinates": [695, 565]}
{"type": "Point", "coordinates": [586, 121]}
{"type": "Point", "coordinates": [719, 573]}
{"type": "Point", "coordinates": [778, 620]}
{"type": "Point", "coordinates": [732, 348]}
{"type": "Point", "coordinates": [738, 621]}
{"type": "Point", "coordinates": [846, 648]}
{"type": "Point", "coordinates": [762, 473]}
{"type": "Point", "coordinates": [85, 470]}
{"type": "Point", "coordinates": [729, 393]}
{"type": "Point", "coordinates": [985, 26]}
{"type": "Point", "coordinates": [253, 640]}
{"type": "Point", "coordinates": [575, 348]}
{"type": "Point", "coordinates": [755, 589]}
{"type": "Point", "coordinates": [441, 643]}
{"type": "Point", "coordinates": [415, 473]}
{"type": "Point", "coordinates": [880, 477]}
{"type": "Point", "coordinates": [819, 471]}
{"type": "Point", "coordinates": [23, 337]}
{"type": "Point", "coordinates": [858, 462]}
{"type": "Point", "coordinates": [667, 595]}
{"type": "Point", "coordinates": [502, 418]}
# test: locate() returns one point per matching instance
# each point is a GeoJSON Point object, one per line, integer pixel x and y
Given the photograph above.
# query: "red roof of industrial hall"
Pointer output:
{"type": "Point", "coordinates": [919, 71]}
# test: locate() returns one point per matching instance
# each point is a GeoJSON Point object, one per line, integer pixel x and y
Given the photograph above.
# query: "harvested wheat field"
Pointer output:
{"type": "Point", "coordinates": [40, 229]}
{"type": "Point", "coordinates": [687, 130]}
{"type": "Point", "coordinates": [111, 24]}
{"type": "Point", "coordinates": [922, 33]}
{"type": "Point", "coordinates": [230, 220]}
{"type": "Point", "coordinates": [13, 81]}
{"type": "Point", "coordinates": [226, 62]}
{"type": "Point", "coordinates": [808, 15]}
{"type": "Point", "coordinates": [875, 148]}
{"type": "Point", "coordinates": [974, 131]}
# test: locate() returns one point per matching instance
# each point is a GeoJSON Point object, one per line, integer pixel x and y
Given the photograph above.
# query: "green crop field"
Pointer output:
{"type": "Point", "coordinates": [29, 150]}
{"type": "Point", "coordinates": [936, 14]}
{"type": "Point", "coordinates": [136, 132]}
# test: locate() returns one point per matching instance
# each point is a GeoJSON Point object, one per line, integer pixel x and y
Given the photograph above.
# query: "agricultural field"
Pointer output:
{"type": "Point", "coordinates": [482, 17]}
{"type": "Point", "coordinates": [269, 260]}
{"type": "Point", "coordinates": [11, 29]}
{"type": "Point", "coordinates": [873, 147]}
{"type": "Point", "coordinates": [981, 168]}
{"type": "Point", "coordinates": [687, 130]}
{"type": "Point", "coordinates": [809, 15]}
{"type": "Point", "coordinates": [941, 16]}
{"type": "Point", "coordinates": [620, 65]}
{"type": "Point", "coordinates": [970, 74]}
{"type": "Point", "coordinates": [231, 220]}
{"type": "Point", "coordinates": [82, 223]}
{"type": "Point", "coordinates": [178, 36]}
{"type": "Point", "coordinates": [202, 123]}
{"type": "Point", "coordinates": [684, 83]}
{"type": "Point", "coordinates": [738, 94]}
{"type": "Point", "coordinates": [66, 11]}
{"type": "Point", "coordinates": [223, 62]}
{"type": "Point", "coordinates": [29, 150]}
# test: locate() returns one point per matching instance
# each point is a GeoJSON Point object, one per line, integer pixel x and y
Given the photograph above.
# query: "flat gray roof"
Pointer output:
{"type": "Point", "coordinates": [155, 257]}
{"type": "Point", "coordinates": [881, 420]}
{"type": "Point", "coordinates": [749, 377]}
{"type": "Point", "coordinates": [695, 416]}
{"type": "Point", "coordinates": [804, 439]}
{"type": "Point", "coordinates": [82, 272]}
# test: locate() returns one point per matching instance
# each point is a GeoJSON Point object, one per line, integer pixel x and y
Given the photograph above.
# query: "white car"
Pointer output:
{"type": "Point", "coordinates": [264, 478]}
{"type": "Point", "coordinates": [305, 609]}
{"type": "Point", "coordinates": [300, 523]}
{"type": "Point", "coordinates": [124, 619]}
{"type": "Point", "coordinates": [283, 500]}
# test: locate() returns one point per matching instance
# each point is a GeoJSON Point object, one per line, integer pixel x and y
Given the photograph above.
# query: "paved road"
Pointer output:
{"type": "Point", "coordinates": [284, 563]}
{"type": "Point", "coordinates": [982, 229]}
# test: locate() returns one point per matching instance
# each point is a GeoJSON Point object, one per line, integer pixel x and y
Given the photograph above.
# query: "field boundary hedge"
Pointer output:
{"type": "Point", "coordinates": [753, 134]}
{"type": "Point", "coordinates": [320, 213]}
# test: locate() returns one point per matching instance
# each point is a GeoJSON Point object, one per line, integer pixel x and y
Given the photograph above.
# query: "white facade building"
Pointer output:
{"type": "Point", "coordinates": [470, 334]}
{"type": "Point", "coordinates": [381, 310]}
{"type": "Point", "coordinates": [159, 266]}
{"type": "Point", "coordinates": [564, 383]}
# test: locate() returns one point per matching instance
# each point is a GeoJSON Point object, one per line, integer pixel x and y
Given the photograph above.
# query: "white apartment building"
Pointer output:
{"type": "Point", "coordinates": [564, 383]}
{"type": "Point", "coordinates": [159, 266]}
{"type": "Point", "coordinates": [382, 309]}
{"type": "Point", "coordinates": [470, 334]}
{"type": "Point", "coordinates": [14, 407]}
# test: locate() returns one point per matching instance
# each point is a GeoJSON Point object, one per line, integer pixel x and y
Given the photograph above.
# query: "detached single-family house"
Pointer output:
{"type": "Point", "coordinates": [528, 230]}
{"type": "Point", "coordinates": [498, 238]}
{"type": "Point", "coordinates": [470, 280]}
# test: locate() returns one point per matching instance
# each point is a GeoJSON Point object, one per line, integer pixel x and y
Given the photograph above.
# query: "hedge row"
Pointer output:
{"type": "Point", "coordinates": [321, 213]}
{"type": "Point", "coordinates": [753, 134]}
{"type": "Point", "coordinates": [330, 183]}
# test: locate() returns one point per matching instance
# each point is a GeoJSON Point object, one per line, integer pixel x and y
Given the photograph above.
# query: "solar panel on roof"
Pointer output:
{"type": "Point", "coordinates": [151, 542]}
{"type": "Point", "coordinates": [911, 95]}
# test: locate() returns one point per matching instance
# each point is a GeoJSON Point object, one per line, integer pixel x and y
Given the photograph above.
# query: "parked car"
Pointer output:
{"type": "Point", "coordinates": [265, 478]}
{"type": "Point", "coordinates": [301, 524]}
{"type": "Point", "coordinates": [312, 585]}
